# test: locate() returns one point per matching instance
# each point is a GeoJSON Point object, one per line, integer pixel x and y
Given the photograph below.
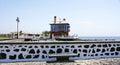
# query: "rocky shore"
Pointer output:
{"type": "Point", "coordinates": [106, 61]}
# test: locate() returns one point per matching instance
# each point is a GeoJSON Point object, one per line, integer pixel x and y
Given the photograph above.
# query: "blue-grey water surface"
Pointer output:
{"type": "Point", "coordinates": [100, 37]}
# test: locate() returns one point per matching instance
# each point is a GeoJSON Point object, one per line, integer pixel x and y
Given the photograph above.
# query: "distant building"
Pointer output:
{"type": "Point", "coordinates": [59, 28]}
{"type": "Point", "coordinates": [24, 35]}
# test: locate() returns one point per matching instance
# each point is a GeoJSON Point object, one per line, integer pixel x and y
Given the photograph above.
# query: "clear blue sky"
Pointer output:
{"type": "Point", "coordinates": [86, 17]}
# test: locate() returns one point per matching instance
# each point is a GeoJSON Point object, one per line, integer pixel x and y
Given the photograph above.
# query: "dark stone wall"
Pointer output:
{"type": "Point", "coordinates": [24, 52]}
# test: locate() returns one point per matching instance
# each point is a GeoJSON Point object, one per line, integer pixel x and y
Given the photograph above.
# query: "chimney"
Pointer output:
{"type": "Point", "coordinates": [64, 19]}
{"type": "Point", "coordinates": [55, 19]}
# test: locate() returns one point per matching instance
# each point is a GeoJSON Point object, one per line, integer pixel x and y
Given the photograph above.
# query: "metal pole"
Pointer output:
{"type": "Point", "coordinates": [17, 27]}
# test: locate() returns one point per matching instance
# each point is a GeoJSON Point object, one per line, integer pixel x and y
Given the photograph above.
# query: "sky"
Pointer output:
{"type": "Point", "coordinates": [86, 17]}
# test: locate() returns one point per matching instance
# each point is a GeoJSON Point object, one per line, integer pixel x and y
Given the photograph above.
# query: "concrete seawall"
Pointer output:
{"type": "Point", "coordinates": [40, 51]}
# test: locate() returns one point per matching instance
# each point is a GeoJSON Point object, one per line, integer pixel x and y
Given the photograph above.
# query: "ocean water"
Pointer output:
{"type": "Point", "coordinates": [100, 38]}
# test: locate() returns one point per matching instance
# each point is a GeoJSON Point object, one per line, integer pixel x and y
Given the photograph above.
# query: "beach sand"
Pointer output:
{"type": "Point", "coordinates": [106, 61]}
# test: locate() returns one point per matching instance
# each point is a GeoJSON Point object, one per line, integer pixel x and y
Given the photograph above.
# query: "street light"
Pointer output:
{"type": "Point", "coordinates": [17, 26]}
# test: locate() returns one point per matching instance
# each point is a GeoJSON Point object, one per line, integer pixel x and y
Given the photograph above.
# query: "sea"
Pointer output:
{"type": "Point", "coordinates": [116, 38]}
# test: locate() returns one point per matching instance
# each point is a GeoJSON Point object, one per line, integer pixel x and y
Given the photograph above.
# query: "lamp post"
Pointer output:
{"type": "Point", "coordinates": [17, 27]}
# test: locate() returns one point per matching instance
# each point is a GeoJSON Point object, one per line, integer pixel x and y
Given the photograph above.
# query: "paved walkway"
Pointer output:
{"type": "Point", "coordinates": [106, 61]}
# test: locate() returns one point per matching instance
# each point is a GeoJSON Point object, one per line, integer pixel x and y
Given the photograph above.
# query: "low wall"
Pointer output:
{"type": "Point", "coordinates": [39, 51]}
